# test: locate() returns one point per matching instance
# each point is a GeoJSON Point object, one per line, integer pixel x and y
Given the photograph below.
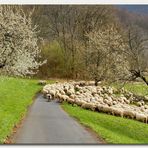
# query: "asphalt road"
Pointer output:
{"type": "Point", "coordinates": [47, 123]}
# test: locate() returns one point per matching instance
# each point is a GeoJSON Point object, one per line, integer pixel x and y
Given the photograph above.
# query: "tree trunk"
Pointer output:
{"type": "Point", "coordinates": [96, 82]}
{"type": "Point", "coordinates": [144, 79]}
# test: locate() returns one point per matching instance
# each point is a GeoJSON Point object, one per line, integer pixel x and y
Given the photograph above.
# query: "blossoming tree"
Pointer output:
{"type": "Point", "coordinates": [19, 52]}
{"type": "Point", "coordinates": [106, 61]}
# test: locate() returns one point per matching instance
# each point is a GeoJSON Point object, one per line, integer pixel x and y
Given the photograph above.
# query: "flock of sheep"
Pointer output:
{"type": "Point", "coordinates": [98, 98]}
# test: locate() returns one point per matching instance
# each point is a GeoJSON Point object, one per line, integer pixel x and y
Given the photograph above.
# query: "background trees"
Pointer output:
{"type": "Point", "coordinates": [79, 42]}
{"type": "Point", "coordinates": [68, 26]}
{"type": "Point", "coordinates": [73, 32]}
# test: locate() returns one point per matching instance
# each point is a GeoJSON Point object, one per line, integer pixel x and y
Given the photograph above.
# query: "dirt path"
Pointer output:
{"type": "Point", "coordinates": [47, 123]}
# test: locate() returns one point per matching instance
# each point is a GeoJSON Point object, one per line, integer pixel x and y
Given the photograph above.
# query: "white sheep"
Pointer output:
{"type": "Point", "coordinates": [139, 104]}
{"type": "Point", "coordinates": [62, 92]}
{"type": "Point", "coordinates": [63, 98]}
{"type": "Point", "coordinates": [117, 111]}
{"type": "Point", "coordinates": [142, 108]}
{"type": "Point", "coordinates": [79, 102]}
{"type": "Point", "coordinates": [88, 106]}
{"type": "Point", "coordinates": [49, 97]}
{"type": "Point", "coordinates": [52, 92]}
{"type": "Point", "coordinates": [99, 107]}
{"type": "Point", "coordinates": [70, 92]}
{"type": "Point", "coordinates": [114, 102]}
{"type": "Point", "coordinates": [90, 83]}
{"type": "Point", "coordinates": [72, 96]}
{"type": "Point", "coordinates": [106, 109]}
{"type": "Point", "coordinates": [71, 101]}
{"type": "Point", "coordinates": [129, 114]}
{"type": "Point", "coordinates": [146, 106]}
{"type": "Point", "coordinates": [141, 117]}
{"type": "Point", "coordinates": [44, 91]}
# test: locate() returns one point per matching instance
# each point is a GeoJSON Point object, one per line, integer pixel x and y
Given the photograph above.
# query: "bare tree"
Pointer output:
{"type": "Point", "coordinates": [19, 50]}
{"type": "Point", "coordinates": [137, 46]}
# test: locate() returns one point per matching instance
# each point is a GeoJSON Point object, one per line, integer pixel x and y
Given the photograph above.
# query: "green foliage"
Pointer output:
{"type": "Point", "coordinates": [15, 96]}
{"type": "Point", "coordinates": [59, 62]}
{"type": "Point", "coordinates": [55, 61]}
{"type": "Point", "coordinates": [113, 129]}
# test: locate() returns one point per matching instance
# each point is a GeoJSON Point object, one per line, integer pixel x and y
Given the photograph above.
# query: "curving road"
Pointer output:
{"type": "Point", "coordinates": [47, 123]}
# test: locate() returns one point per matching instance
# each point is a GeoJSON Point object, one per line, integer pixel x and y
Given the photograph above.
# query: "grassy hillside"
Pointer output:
{"type": "Point", "coordinates": [136, 88]}
{"type": "Point", "coordinates": [113, 129]}
{"type": "Point", "coordinates": [15, 95]}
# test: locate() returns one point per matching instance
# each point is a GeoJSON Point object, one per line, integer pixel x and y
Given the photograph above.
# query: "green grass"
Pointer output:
{"type": "Point", "coordinates": [137, 88]}
{"type": "Point", "coordinates": [15, 96]}
{"type": "Point", "coordinates": [114, 130]}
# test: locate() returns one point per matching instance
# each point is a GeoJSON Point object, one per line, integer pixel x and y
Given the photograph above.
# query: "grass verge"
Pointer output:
{"type": "Point", "coordinates": [15, 96]}
{"type": "Point", "coordinates": [114, 130]}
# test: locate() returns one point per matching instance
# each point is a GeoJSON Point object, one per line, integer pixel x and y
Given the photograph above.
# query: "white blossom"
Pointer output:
{"type": "Point", "coordinates": [106, 48]}
{"type": "Point", "coordinates": [19, 52]}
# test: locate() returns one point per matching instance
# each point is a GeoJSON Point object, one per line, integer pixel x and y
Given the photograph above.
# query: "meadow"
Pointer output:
{"type": "Point", "coordinates": [16, 95]}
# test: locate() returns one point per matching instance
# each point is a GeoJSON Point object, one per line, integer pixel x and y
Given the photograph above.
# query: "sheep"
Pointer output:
{"type": "Point", "coordinates": [72, 96]}
{"type": "Point", "coordinates": [146, 98]}
{"type": "Point", "coordinates": [49, 97]}
{"type": "Point", "coordinates": [59, 98]}
{"type": "Point", "coordinates": [108, 102]}
{"type": "Point", "coordinates": [129, 114]}
{"type": "Point", "coordinates": [90, 83]}
{"type": "Point", "coordinates": [62, 92]}
{"type": "Point", "coordinates": [115, 90]}
{"type": "Point", "coordinates": [71, 101]}
{"type": "Point", "coordinates": [88, 106]}
{"type": "Point", "coordinates": [95, 98]}
{"type": "Point", "coordinates": [142, 102]}
{"type": "Point", "coordinates": [79, 102]}
{"type": "Point", "coordinates": [77, 93]}
{"type": "Point", "coordinates": [141, 117]}
{"type": "Point", "coordinates": [106, 109]}
{"type": "Point", "coordinates": [117, 112]}
{"type": "Point", "coordinates": [70, 92]}
{"type": "Point", "coordinates": [107, 97]}
{"type": "Point", "coordinates": [142, 108]}
{"type": "Point", "coordinates": [65, 88]}
{"type": "Point", "coordinates": [63, 98]}
{"type": "Point", "coordinates": [82, 83]}
{"type": "Point", "coordinates": [110, 91]}
{"type": "Point", "coordinates": [42, 82]}
{"type": "Point", "coordinates": [121, 100]}
{"type": "Point", "coordinates": [44, 93]}
{"type": "Point", "coordinates": [146, 106]}
{"type": "Point", "coordinates": [93, 107]}
{"type": "Point", "coordinates": [57, 95]}
{"type": "Point", "coordinates": [139, 104]}
{"type": "Point", "coordinates": [77, 87]}
{"type": "Point", "coordinates": [127, 101]}
{"type": "Point", "coordinates": [99, 107]}
{"type": "Point", "coordinates": [114, 102]}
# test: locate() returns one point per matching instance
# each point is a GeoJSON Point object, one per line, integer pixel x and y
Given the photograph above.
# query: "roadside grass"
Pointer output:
{"type": "Point", "coordinates": [16, 95]}
{"type": "Point", "coordinates": [114, 130]}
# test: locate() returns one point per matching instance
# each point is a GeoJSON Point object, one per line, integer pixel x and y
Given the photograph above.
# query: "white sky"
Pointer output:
{"type": "Point", "coordinates": [74, 1]}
